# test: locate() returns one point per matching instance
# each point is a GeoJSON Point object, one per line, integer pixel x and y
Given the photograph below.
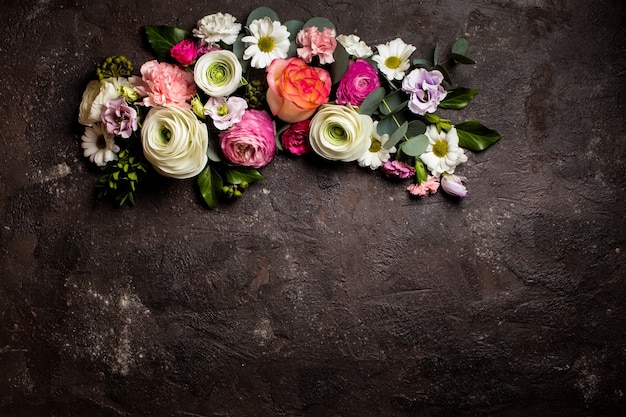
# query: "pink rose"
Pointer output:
{"type": "Point", "coordinates": [397, 170]}
{"type": "Point", "coordinates": [316, 43]}
{"type": "Point", "coordinates": [296, 90]}
{"type": "Point", "coordinates": [163, 84]}
{"type": "Point", "coordinates": [296, 138]}
{"type": "Point", "coordinates": [360, 80]}
{"type": "Point", "coordinates": [184, 52]}
{"type": "Point", "coordinates": [251, 141]}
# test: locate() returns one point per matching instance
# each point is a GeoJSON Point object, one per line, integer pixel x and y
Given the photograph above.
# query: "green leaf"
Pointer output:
{"type": "Point", "coordinates": [462, 59]}
{"type": "Point", "coordinates": [436, 54]}
{"type": "Point", "coordinates": [389, 124]}
{"type": "Point", "coordinates": [161, 39]}
{"type": "Point", "coordinates": [393, 102]}
{"type": "Point", "coordinates": [416, 127]}
{"type": "Point", "coordinates": [415, 146]}
{"type": "Point", "coordinates": [260, 13]}
{"type": "Point", "coordinates": [210, 184]}
{"type": "Point", "coordinates": [444, 72]}
{"type": "Point", "coordinates": [422, 63]}
{"type": "Point", "coordinates": [396, 136]}
{"type": "Point", "coordinates": [458, 98]}
{"type": "Point", "coordinates": [237, 175]}
{"type": "Point", "coordinates": [371, 102]}
{"type": "Point", "coordinates": [238, 49]}
{"type": "Point", "coordinates": [320, 22]}
{"type": "Point", "coordinates": [476, 137]}
{"type": "Point", "coordinates": [293, 26]}
{"type": "Point", "coordinates": [460, 46]}
{"type": "Point", "coordinates": [341, 64]}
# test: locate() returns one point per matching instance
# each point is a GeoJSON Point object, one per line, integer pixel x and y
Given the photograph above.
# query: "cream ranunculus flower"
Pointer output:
{"type": "Point", "coordinates": [340, 133]}
{"type": "Point", "coordinates": [175, 142]}
{"type": "Point", "coordinates": [218, 73]}
{"type": "Point", "coordinates": [96, 95]}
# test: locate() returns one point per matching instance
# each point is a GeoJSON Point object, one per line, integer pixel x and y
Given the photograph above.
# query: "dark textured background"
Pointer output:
{"type": "Point", "coordinates": [326, 291]}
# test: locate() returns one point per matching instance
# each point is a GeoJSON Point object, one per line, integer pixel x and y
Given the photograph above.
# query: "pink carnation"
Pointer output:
{"type": "Point", "coordinates": [163, 84]}
{"type": "Point", "coordinates": [397, 170]}
{"type": "Point", "coordinates": [316, 43]}
{"type": "Point", "coordinates": [184, 52]}
{"type": "Point", "coordinates": [251, 141]}
{"type": "Point", "coordinates": [360, 80]}
{"type": "Point", "coordinates": [296, 138]}
{"type": "Point", "coordinates": [430, 186]}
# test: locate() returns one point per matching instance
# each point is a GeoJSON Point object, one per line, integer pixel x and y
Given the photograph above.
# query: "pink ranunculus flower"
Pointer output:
{"type": "Point", "coordinates": [430, 186]}
{"type": "Point", "coordinates": [425, 90]}
{"type": "Point", "coordinates": [397, 170]}
{"type": "Point", "coordinates": [315, 43]}
{"type": "Point", "coordinates": [120, 118]}
{"type": "Point", "coordinates": [296, 138]}
{"type": "Point", "coordinates": [184, 52]}
{"type": "Point", "coordinates": [251, 142]}
{"type": "Point", "coordinates": [164, 84]}
{"type": "Point", "coordinates": [360, 80]}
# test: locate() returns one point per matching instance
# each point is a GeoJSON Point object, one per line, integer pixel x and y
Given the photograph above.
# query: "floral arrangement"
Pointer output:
{"type": "Point", "coordinates": [219, 103]}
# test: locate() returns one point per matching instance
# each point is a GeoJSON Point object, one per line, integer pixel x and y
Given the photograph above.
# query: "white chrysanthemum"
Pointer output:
{"type": "Point", "coordinates": [443, 153]}
{"type": "Point", "coordinates": [340, 133]}
{"type": "Point", "coordinates": [218, 27]}
{"type": "Point", "coordinates": [99, 145]}
{"type": "Point", "coordinates": [393, 58]}
{"type": "Point", "coordinates": [355, 46]}
{"type": "Point", "coordinates": [376, 154]}
{"type": "Point", "coordinates": [268, 40]}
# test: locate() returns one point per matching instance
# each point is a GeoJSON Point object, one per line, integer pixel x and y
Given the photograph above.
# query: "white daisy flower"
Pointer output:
{"type": "Point", "coordinates": [376, 154]}
{"type": "Point", "coordinates": [443, 153]}
{"type": "Point", "coordinates": [355, 46]}
{"type": "Point", "coordinates": [99, 145]}
{"type": "Point", "coordinates": [393, 58]}
{"type": "Point", "coordinates": [217, 27]}
{"type": "Point", "coordinates": [268, 40]}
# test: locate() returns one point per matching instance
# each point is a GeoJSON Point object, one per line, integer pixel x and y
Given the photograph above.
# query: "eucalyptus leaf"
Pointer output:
{"type": "Point", "coordinates": [210, 184]}
{"type": "Point", "coordinates": [422, 63]}
{"type": "Point", "coordinates": [396, 136]}
{"type": "Point", "coordinates": [462, 59]}
{"type": "Point", "coordinates": [341, 64]}
{"type": "Point", "coordinates": [476, 137]}
{"type": "Point", "coordinates": [444, 72]}
{"type": "Point", "coordinates": [293, 26]}
{"type": "Point", "coordinates": [388, 125]}
{"type": "Point", "coordinates": [415, 146]}
{"type": "Point", "coordinates": [458, 98]}
{"type": "Point", "coordinates": [238, 49]}
{"type": "Point", "coordinates": [391, 102]}
{"type": "Point", "coordinates": [371, 102]}
{"type": "Point", "coordinates": [436, 54]}
{"type": "Point", "coordinates": [460, 46]}
{"type": "Point", "coordinates": [240, 174]}
{"type": "Point", "coordinates": [416, 127]}
{"type": "Point", "coordinates": [260, 13]}
{"type": "Point", "coordinates": [161, 39]}
{"type": "Point", "coordinates": [320, 22]}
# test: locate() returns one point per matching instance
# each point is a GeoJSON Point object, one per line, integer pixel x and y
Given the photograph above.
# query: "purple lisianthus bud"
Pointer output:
{"type": "Point", "coordinates": [120, 118]}
{"type": "Point", "coordinates": [397, 169]}
{"type": "Point", "coordinates": [360, 80]}
{"type": "Point", "coordinates": [425, 90]}
{"type": "Point", "coordinates": [453, 185]}
{"type": "Point", "coordinates": [225, 112]}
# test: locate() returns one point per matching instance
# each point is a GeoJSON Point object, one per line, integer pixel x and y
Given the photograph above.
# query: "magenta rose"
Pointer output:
{"type": "Point", "coordinates": [250, 142]}
{"type": "Point", "coordinates": [184, 52]}
{"type": "Point", "coordinates": [296, 138]}
{"type": "Point", "coordinates": [360, 80]}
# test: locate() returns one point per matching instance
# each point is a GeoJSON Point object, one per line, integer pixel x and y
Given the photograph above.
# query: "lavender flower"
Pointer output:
{"type": "Point", "coordinates": [425, 90]}
{"type": "Point", "coordinates": [120, 118]}
{"type": "Point", "coordinates": [453, 185]}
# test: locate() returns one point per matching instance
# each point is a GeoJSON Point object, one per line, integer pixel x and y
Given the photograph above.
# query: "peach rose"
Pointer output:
{"type": "Point", "coordinates": [296, 90]}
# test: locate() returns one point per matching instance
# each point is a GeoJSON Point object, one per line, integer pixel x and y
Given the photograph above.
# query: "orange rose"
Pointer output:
{"type": "Point", "coordinates": [296, 90]}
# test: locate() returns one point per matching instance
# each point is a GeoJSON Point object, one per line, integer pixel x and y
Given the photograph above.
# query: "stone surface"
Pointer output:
{"type": "Point", "coordinates": [326, 291]}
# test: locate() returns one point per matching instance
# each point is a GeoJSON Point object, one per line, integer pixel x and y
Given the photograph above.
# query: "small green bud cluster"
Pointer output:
{"type": "Point", "coordinates": [124, 175]}
{"type": "Point", "coordinates": [255, 94]}
{"type": "Point", "coordinates": [113, 67]}
{"type": "Point", "coordinates": [234, 190]}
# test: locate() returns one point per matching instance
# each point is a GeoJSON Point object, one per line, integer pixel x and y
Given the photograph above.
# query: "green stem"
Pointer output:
{"type": "Point", "coordinates": [393, 116]}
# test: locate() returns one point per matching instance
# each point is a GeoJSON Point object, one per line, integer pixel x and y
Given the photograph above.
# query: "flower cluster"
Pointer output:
{"type": "Point", "coordinates": [221, 102]}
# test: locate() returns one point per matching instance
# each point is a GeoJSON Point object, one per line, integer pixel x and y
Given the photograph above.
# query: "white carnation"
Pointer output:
{"type": "Point", "coordinates": [355, 46]}
{"type": "Point", "coordinates": [218, 27]}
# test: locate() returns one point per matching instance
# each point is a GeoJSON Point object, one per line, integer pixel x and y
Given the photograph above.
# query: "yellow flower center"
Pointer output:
{"type": "Point", "coordinates": [375, 146]}
{"type": "Point", "coordinates": [440, 148]}
{"type": "Point", "coordinates": [393, 62]}
{"type": "Point", "coordinates": [223, 110]}
{"type": "Point", "coordinates": [337, 134]}
{"type": "Point", "coordinates": [266, 44]}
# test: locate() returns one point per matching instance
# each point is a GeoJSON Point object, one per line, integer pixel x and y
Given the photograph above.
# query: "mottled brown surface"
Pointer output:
{"type": "Point", "coordinates": [326, 291]}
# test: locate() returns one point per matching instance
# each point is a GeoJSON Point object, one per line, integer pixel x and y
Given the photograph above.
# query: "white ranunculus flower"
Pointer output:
{"type": "Point", "coordinates": [96, 95]}
{"type": "Point", "coordinates": [175, 142]}
{"type": "Point", "coordinates": [340, 133]}
{"type": "Point", "coordinates": [218, 73]}
{"type": "Point", "coordinates": [443, 153]}
{"type": "Point", "coordinates": [355, 46]}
